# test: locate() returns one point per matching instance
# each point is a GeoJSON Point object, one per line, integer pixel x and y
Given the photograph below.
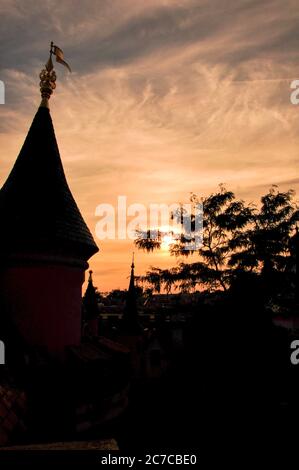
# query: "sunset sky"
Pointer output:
{"type": "Point", "coordinates": [166, 97]}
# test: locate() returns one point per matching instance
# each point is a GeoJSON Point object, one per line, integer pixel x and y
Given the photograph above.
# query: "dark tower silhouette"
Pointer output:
{"type": "Point", "coordinates": [44, 241]}
{"type": "Point", "coordinates": [90, 309]}
{"type": "Point", "coordinates": [130, 317]}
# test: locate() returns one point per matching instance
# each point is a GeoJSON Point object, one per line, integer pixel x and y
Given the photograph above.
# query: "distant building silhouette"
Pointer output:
{"type": "Point", "coordinates": [131, 323]}
{"type": "Point", "coordinates": [90, 317]}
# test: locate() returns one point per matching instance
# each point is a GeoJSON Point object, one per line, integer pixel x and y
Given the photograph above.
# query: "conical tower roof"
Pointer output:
{"type": "Point", "coordinates": [37, 209]}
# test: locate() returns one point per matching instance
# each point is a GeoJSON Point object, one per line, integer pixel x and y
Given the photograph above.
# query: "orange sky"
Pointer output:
{"type": "Point", "coordinates": [165, 98]}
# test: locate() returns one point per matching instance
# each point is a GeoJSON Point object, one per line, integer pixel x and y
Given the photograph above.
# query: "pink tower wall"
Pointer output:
{"type": "Point", "coordinates": [44, 302]}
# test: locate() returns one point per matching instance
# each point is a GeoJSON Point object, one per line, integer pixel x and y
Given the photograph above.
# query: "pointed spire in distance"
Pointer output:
{"type": "Point", "coordinates": [90, 299]}
{"type": "Point", "coordinates": [132, 278]}
{"type": "Point", "coordinates": [130, 316]}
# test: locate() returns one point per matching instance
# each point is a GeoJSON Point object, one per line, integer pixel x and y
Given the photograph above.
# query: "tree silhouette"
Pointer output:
{"type": "Point", "coordinates": [266, 246]}
{"type": "Point", "coordinates": [236, 237]}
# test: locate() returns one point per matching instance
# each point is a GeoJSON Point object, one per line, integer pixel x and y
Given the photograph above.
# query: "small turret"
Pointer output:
{"type": "Point", "coordinates": [90, 309]}
{"type": "Point", "coordinates": [130, 317]}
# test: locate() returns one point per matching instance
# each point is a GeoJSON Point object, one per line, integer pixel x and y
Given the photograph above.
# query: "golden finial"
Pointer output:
{"type": "Point", "coordinates": [47, 80]}
{"type": "Point", "coordinates": [48, 75]}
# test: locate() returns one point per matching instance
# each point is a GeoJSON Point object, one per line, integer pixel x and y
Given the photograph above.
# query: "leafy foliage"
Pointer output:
{"type": "Point", "coordinates": [237, 237]}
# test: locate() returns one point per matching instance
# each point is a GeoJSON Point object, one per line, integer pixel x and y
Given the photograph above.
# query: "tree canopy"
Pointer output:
{"type": "Point", "coordinates": [237, 238]}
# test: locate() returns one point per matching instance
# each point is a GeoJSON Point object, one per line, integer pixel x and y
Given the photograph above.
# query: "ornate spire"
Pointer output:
{"type": "Point", "coordinates": [47, 80]}
{"type": "Point", "coordinates": [48, 75]}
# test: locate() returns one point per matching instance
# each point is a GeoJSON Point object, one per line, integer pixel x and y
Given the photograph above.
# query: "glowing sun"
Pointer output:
{"type": "Point", "coordinates": [167, 241]}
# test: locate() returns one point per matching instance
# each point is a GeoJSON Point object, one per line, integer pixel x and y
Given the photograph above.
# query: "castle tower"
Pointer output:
{"type": "Point", "coordinates": [44, 241]}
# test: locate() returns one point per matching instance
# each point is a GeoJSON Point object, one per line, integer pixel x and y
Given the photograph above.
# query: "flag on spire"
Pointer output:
{"type": "Point", "coordinates": [59, 56]}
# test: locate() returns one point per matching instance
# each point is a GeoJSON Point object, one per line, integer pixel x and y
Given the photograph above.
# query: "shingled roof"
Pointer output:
{"type": "Point", "coordinates": [37, 209]}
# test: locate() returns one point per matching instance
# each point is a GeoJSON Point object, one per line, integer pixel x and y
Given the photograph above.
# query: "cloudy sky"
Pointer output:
{"type": "Point", "coordinates": [166, 97]}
